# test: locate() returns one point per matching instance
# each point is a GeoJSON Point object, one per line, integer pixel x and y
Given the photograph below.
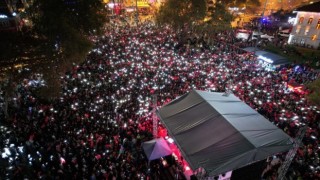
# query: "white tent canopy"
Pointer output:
{"type": "Point", "coordinates": [273, 58]}
{"type": "Point", "coordinates": [220, 133]}
{"type": "Point", "coordinates": [156, 148]}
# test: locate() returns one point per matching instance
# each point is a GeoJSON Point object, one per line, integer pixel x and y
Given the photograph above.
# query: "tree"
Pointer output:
{"type": "Point", "coordinates": [58, 37]}
{"type": "Point", "coordinates": [250, 5]}
{"type": "Point", "coordinates": [65, 23]}
{"type": "Point", "coordinates": [181, 12]}
{"type": "Point", "coordinates": [195, 14]}
{"type": "Point", "coordinates": [219, 18]}
{"type": "Point", "coordinates": [314, 96]}
{"type": "Point", "coordinates": [240, 3]}
{"type": "Point", "coordinates": [63, 30]}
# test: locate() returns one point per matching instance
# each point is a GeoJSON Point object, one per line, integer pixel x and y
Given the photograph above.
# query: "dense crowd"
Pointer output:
{"type": "Point", "coordinates": [94, 130]}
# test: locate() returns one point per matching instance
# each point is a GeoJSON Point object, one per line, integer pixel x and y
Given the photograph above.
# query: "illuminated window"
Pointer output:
{"type": "Point", "coordinates": [298, 29]}
{"type": "Point", "coordinates": [310, 20]}
{"type": "Point", "coordinates": [314, 37]}
{"type": "Point", "coordinates": [301, 20]}
{"type": "Point", "coordinates": [307, 30]}
{"type": "Point", "coordinates": [318, 25]}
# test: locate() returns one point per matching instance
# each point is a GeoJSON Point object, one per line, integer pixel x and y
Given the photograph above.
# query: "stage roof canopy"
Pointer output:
{"type": "Point", "coordinates": [275, 58]}
{"type": "Point", "coordinates": [220, 133]}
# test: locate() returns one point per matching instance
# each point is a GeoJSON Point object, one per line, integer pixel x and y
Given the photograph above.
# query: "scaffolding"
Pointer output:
{"type": "Point", "coordinates": [154, 116]}
{"type": "Point", "coordinates": [282, 171]}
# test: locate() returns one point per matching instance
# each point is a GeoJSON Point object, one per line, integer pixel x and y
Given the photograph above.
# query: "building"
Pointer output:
{"type": "Point", "coordinates": [306, 27]}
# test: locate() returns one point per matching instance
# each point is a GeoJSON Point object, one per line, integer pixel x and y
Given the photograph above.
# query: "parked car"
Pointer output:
{"type": "Point", "coordinates": [255, 35]}
{"type": "Point", "coordinates": [284, 33]}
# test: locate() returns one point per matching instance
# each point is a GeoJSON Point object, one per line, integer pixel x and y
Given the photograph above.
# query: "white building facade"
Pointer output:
{"type": "Point", "coordinates": [306, 27]}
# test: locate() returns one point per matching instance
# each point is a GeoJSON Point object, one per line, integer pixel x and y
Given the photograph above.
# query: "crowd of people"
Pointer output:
{"type": "Point", "coordinates": [94, 130]}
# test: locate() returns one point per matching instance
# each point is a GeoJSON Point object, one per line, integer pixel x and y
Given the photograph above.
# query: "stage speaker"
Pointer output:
{"type": "Point", "coordinates": [193, 177]}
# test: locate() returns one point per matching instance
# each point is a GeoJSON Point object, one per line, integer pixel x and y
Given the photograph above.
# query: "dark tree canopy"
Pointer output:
{"type": "Point", "coordinates": [195, 13]}
{"type": "Point", "coordinates": [67, 23]}
{"type": "Point", "coordinates": [180, 12]}
{"type": "Point", "coordinates": [314, 96]}
{"type": "Point", "coordinates": [220, 18]}
{"type": "Point", "coordinates": [229, 3]}
{"type": "Point", "coordinates": [60, 34]}
{"type": "Point", "coordinates": [251, 5]}
{"type": "Point", "coordinates": [55, 16]}
{"type": "Point", "coordinates": [65, 27]}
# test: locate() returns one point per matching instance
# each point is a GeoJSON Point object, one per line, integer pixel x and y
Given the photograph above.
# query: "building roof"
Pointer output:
{"type": "Point", "coordinates": [314, 7]}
